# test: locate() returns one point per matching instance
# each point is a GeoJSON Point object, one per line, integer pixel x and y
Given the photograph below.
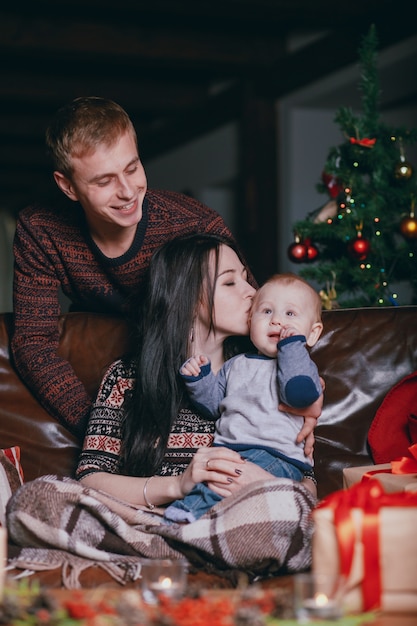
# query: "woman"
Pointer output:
{"type": "Point", "coordinates": [197, 289]}
{"type": "Point", "coordinates": [145, 446]}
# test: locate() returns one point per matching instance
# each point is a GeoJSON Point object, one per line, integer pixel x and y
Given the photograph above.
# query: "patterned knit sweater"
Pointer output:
{"type": "Point", "coordinates": [53, 249]}
{"type": "Point", "coordinates": [102, 443]}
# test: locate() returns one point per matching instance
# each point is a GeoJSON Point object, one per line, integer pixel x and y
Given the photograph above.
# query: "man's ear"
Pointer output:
{"type": "Point", "coordinates": [65, 186]}
{"type": "Point", "coordinates": [314, 334]}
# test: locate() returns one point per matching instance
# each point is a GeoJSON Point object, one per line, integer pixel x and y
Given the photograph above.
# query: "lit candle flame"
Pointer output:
{"type": "Point", "coordinates": [165, 582]}
{"type": "Point", "coordinates": [321, 599]}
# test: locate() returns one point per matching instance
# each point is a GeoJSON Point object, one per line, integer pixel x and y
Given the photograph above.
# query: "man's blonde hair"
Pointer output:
{"type": "Point", "coordinates": [83, 124]}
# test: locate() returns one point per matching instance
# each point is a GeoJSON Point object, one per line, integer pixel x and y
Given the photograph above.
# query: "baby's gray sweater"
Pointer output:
{"type": "Point", "coordinates": [243, 397]}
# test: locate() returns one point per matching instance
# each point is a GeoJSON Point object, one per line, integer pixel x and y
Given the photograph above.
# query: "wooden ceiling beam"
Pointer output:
{"type": "Point", "coordinates": [149, 94]}
{"type": "Point", "coordinates": [160, 46]}
{"type": "Point", "coordinates": [216, 15]}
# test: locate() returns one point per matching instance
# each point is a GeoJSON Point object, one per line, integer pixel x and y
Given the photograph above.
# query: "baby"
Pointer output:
{"type": "Point", "coordinates": [243, 397]}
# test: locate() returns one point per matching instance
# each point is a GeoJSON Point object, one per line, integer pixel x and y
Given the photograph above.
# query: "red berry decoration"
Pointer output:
{"type": "Point", "coordinates": [360, 247]}
{"type": "Point", "coordinates": [298, 251]}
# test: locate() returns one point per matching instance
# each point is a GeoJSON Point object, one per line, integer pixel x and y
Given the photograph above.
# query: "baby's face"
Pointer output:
{"type": "Point", "coordinates": [279, 306]}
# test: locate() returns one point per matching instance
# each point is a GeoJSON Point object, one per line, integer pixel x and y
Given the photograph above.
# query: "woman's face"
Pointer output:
{"type": "Point", "coordinates": [233, 295]}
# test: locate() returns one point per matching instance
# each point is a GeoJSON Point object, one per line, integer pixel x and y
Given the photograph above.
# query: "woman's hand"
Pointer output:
{"type": "Point", "coordinates": [306, 434]}
{"type": "Point", "coordinates": [249, 473]}
{"type": "Point", "coordinates": [214, 465]}
{"type": "Point", "coordinates": [224, 471]}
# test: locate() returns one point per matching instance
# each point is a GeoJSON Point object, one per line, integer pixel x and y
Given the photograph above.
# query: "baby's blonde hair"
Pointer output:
{"type": "Point", "coordinates": [290, 279]}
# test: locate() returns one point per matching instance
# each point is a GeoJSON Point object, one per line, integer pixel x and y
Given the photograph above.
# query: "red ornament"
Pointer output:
{"type": "Point", "coordinates": [312, 251]}
{"type": "Point", "coordinates": [298, 251]}
{"type": "Point", "coordinates": [360, 247]}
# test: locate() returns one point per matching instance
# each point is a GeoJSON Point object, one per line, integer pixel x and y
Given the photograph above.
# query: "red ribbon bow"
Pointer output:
{"type": "Point", "coordinates": [403, 465]}
{"type": "Point", "coordinates": [406, 464]}
{"type": "Point", "coordinates": [365, 142]}
{"type": "Point", "coordinates": [370, 497]}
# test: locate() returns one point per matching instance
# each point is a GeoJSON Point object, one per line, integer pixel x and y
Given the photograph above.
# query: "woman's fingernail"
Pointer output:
{"type": "Point", "coordinates": [229, 479]}
{"type": "Point", "coordinates": [238, 472]}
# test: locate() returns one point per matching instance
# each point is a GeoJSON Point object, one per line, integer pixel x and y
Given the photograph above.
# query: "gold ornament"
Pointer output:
{"type": "Point", "coordinates": [408, 226]}
{"type": "Point", "coordinates": [328, 297]}
{"type": "Point", "coordinates": [403, 170]}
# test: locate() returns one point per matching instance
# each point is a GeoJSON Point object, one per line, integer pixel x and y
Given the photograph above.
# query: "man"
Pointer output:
{"type": "Point", "coordinates": [96, 251]}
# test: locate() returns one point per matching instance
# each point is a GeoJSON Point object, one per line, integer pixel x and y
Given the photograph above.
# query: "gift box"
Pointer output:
{"type": "Point", "coordinates": [383, 472]}
{"type": "Point", "coordinates": [368, 537]}
{"type": "Point", "coordinates": [399, 475]}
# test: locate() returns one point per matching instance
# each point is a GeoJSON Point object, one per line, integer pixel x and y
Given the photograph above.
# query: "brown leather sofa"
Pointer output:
{"type": "Point", "coordinates": [361, 355]}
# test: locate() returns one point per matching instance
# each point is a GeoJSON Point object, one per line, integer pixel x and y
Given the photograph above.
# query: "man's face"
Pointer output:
{"type": "Point", "coordinates": [110, 184]}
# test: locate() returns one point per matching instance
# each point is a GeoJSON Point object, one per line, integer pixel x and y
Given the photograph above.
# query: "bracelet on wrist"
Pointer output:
{"type": "Point", "coordinates": [149, 505]}
{"type": "Point", "coordinates": [310, 475]}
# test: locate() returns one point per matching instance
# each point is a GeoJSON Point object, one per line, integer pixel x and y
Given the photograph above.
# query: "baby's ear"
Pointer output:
{"type": "Point", "coordinates": [315, 333]}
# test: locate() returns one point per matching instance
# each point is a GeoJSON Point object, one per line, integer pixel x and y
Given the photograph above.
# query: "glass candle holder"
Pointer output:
{"type": "Point", "coordinates": [318, 597]}
{"type": "Point", "coordinates": [166, 577]}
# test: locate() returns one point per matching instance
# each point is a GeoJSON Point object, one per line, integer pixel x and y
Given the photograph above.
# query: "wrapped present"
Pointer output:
{"type": "Point", "coordinates": [399, 475]}
{"type": "Point", "coordinates": [368, 537]}
{"type": "Point", "coordinates": [383, 472]}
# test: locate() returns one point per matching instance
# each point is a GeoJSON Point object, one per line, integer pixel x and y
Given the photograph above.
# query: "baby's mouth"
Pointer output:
{"type": "Point", "coordinates": [275, 336]}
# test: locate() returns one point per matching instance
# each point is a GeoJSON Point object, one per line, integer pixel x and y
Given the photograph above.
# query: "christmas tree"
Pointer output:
{"type": "Point", "coordinates": [363, 241]}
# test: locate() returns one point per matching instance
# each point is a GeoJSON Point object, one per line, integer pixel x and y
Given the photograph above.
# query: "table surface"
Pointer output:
{"type": "Point", "coordinates": [383, 619]}
{"type": "Point", "coordinates": [395, 619]}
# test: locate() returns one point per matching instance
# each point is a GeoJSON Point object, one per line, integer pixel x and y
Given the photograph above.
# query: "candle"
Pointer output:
{"type": "Point", "coordinates": [165, 585]}
{"type": "Point", "coordinates": [321, 607]}
{"type": "Point", "coordinates": [163, 577]}
{"type": "Point", "coordinates": [318, 596]}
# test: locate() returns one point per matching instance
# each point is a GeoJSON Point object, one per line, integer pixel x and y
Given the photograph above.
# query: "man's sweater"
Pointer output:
{"type": "Point", "coordinates": [53, 249]}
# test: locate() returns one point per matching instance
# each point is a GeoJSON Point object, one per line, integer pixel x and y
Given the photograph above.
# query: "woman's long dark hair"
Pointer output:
{"type": "Point", "coordinates": [179, 277]}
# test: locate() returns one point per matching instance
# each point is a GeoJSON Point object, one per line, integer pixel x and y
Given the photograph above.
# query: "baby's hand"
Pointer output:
{"type": "Point", "coordinates": [288, 331]}
{"type": "Point", "coordinates": [192, 367]}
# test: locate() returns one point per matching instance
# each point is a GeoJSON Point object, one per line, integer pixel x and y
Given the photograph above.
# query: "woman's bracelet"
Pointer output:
{"type": "Point", "coordinates": [310, 475]}
{"type": "Point", "coordinates": [145, 497]}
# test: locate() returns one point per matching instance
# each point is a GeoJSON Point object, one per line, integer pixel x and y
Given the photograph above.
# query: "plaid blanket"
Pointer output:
{"type": "Point", "coordinates": [57, 522]}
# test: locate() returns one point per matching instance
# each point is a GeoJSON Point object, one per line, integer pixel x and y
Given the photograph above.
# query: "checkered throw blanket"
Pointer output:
{"type": "Point", "coordinates": [58, 523]}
